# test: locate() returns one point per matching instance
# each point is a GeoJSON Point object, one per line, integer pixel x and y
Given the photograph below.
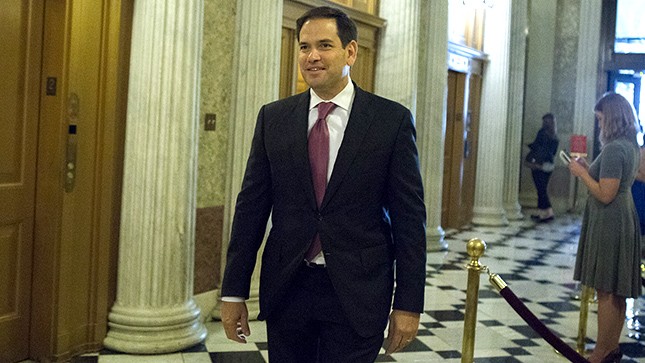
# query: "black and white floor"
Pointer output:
{"type": "Point", "coordinates": [535, 260]}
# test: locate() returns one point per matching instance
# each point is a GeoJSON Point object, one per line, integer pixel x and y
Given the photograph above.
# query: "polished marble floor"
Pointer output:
{"type": "Point", "coordinates": [535, 260]}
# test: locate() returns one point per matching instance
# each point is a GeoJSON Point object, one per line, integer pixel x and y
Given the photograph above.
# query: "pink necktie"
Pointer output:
{"type": "Point", "coordinates": [318, 146]}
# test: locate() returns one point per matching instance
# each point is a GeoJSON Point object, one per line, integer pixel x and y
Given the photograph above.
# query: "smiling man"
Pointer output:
{"type": "Point", "coordinates": [337, 170]}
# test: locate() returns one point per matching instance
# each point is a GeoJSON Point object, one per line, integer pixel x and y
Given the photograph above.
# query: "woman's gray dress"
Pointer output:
{"type": "Point", "coordinates": [608, 256]}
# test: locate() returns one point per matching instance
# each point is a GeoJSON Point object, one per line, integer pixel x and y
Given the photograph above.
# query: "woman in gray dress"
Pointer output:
{"type": "Point", "coordinates": [608, 256]}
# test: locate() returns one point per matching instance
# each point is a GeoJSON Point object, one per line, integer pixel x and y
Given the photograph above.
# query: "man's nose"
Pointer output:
{"type": "Point", "coordinates": [313, 56]}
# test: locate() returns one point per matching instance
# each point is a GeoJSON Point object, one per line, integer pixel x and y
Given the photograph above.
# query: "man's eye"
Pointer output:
{"type": "Point", "coordinates": [303, 47]}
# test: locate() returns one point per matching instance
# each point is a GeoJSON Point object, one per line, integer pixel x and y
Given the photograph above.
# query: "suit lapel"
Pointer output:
{"type": "Point", "coordinates": [302, 169]}
{"type": "Point", "coordinates": [357, 126]}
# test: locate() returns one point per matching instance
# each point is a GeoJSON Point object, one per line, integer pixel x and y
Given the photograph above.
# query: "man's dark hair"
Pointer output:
{"type": "Point", "coordinates": [346, 26]}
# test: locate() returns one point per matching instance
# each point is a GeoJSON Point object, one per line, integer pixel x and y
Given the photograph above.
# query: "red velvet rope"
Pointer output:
{"type": "Point", "coordinates": [540, 328]}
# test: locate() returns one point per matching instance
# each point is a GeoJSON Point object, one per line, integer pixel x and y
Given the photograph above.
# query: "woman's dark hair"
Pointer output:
{"type": "Point", "coordinates": [548, 124]}
{"type": "Point", "coordinates": [346, 26]}
{"type": "Point", "coordinates": [619, 118]}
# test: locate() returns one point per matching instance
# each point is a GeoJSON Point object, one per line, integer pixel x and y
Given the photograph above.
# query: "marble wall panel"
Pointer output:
{"type": "Point", "coordinates": [216, 90]}
{"type": "Point", "coordinates": [564, 64]}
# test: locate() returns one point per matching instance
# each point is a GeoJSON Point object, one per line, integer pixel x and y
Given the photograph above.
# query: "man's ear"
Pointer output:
{"type": "Point", "coordinates": [352, 50]}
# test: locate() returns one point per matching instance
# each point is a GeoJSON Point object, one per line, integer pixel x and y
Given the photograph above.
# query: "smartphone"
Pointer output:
{"type": "Point", "coordinates": [565, 157]}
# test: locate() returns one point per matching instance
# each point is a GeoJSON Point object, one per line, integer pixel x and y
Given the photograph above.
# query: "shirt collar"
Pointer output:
{"type": "Point", "coordinates": [343, 99]}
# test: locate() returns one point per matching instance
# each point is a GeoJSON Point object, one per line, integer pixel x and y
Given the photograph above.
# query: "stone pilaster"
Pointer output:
{"type": "Point", "coordinates": [256, 76]}
{"type": "Point", "coordinates": [154, 310]}
{"type": "Point", "coordinates": [412, 66]}
{"type": "Point", "coordinates": [513, 156]}
{"type": "Point", "coordinates": [396, 66]}
{"type": "Point", "coordinates": [586, 82]}
{"type": "Point", "coordinates": [431, 112]}
{"type": "Point", "coordinates": [489, 209]}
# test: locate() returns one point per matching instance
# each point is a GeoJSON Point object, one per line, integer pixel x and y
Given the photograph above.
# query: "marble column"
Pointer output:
{"type": "Point", "coordinates": [586, 83]}
{"type": "Point", "coordinates": [513, 156]}
{"type": "Point", "coordinates": [397, 56]}
{"type": "Point", "coordinates": [411, 48]}
{"type": "Point", "coordinates": [489, 209]}
{"type": "Point", "coordinates": [256, 77]}
{"type": "Point", "coordinates": [431, 112]}
{"type": "Point", "coordinates": [154, 310]}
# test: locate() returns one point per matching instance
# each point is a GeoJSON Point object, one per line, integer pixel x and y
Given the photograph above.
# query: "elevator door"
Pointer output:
{"type": "Point", "coordinates": [62, 116]}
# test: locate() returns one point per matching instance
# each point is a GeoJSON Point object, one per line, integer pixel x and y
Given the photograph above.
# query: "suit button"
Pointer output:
{"type": "Point", "coordinates": [319, 217]}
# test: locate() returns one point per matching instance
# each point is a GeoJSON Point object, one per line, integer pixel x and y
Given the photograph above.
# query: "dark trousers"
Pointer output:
{"type": "Point", "coordinates": [541, 180]}
{"type": "Point", "coordinates": [311, 326]}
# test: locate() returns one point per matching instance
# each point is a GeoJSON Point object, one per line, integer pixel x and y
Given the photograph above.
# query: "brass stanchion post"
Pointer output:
{"type": "Point", "coordinates": [475, 249]}
{"type": "Point", "coordinates": [585, 299]}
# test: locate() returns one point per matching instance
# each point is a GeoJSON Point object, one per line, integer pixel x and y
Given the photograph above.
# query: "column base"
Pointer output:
{"type": "Point", "coordinates": [152, 330]}
{"type": "Point", "coordinates": [436, 240]}
{"type": "Point", "coordinates": [494, 217]}
{"type": "Point", "coordinates": [514, 212]}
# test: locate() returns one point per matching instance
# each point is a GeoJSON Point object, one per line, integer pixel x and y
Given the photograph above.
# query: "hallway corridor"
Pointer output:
{"type": "Point", "coordinates": [536, 261]}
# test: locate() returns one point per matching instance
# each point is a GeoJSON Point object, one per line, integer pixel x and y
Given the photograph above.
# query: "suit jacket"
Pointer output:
{"type": "Point", "coordinates": [371, 216]}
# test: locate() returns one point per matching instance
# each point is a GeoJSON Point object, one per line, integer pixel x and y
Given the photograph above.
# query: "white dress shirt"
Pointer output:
{"type": "Point", "coordinates": [336, 123]}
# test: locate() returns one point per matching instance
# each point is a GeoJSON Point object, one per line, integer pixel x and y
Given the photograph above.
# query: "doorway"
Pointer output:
{"type": "Point", "coordinates": [628, 83]}
{"type": "Point", "coordinates": [460, 153]}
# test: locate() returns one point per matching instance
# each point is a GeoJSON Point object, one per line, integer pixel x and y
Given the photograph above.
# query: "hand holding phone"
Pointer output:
{"type": "Point", "coordinates": [565, 157]}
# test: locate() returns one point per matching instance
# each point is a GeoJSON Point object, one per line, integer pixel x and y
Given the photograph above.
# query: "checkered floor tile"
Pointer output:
{"type": "Point", "coordinates": [535, 260]}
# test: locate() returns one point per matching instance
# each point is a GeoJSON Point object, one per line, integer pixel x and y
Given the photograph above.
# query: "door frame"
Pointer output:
{"type": "Point", "coordinates": [462, 130]}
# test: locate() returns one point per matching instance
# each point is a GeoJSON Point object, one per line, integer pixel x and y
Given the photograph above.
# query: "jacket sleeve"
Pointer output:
{"type": "Point", "coordinates": [408, 218]}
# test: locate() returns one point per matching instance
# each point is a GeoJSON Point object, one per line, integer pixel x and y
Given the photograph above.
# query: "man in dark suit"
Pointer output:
{"type": "Point", "coordinates": [330, 260]}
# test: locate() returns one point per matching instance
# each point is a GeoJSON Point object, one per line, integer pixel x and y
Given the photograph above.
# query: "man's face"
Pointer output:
{"type": "Point", "coordinates": [323, 61]}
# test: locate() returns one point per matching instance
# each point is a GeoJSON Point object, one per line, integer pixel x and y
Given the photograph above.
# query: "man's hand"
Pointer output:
{"type": "Point", "coordinates": [235, 319]}
{"type": "Point", "coordinates": [403, 329]}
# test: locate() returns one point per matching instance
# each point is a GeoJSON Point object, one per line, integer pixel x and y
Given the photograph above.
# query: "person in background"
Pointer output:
{"type": "Point", "coordinates": [540, 161]}
{"type": "Point", "coordinates": [608, 257]}
{"type": "Point", "coordinates": [337, 169]}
